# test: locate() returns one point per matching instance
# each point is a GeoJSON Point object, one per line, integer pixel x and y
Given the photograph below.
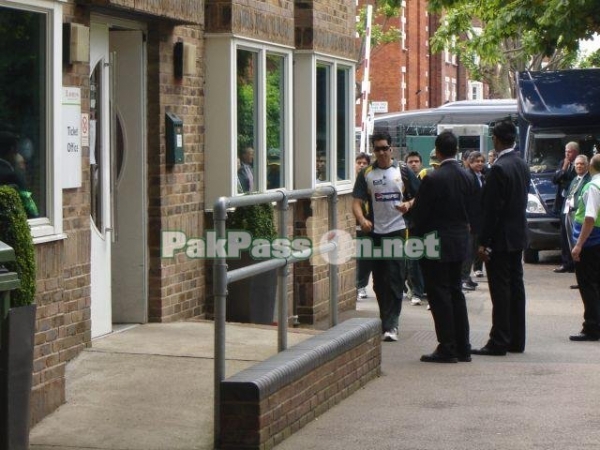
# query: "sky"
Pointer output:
{"type": "Point", "coordinates": [590, 46]}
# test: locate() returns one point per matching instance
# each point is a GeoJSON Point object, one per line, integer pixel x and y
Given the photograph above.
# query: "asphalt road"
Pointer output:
{"type": "Point", "coordinates": [150, 387]}
{"type": "Point", "coordinates": [546, 398]}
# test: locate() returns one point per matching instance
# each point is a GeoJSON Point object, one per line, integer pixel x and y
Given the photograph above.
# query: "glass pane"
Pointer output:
{"type": "Point", "coordinates": [96, 168]}
{"type": "Point", "coordinates": [247, 107]}
{"type": "Point", "coordinates": [343, 124]}
{"type": "Point", "coordinates": [23, 108]}
{"type": "Point", "coordinates": [275, 121]}
{"type": "Point", "coordinates": [323, 127]}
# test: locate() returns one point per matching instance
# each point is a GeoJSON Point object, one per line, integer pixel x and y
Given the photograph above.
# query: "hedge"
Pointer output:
{"type": "Point", "coordinates": [15, 232]}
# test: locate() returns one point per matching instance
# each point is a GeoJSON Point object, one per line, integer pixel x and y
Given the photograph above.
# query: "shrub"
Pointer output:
{"type": "Point", "coordinates": [15, 232]}
{"type": "Point", "coordinates": [256, 219]}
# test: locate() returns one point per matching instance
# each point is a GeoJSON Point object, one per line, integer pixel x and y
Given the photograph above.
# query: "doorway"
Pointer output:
{"type": "Point", "coordinates": [118, 197]}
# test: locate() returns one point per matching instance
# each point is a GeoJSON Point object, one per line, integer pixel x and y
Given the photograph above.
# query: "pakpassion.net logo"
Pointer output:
{"type": "Point", "coordinates": [346, 247]}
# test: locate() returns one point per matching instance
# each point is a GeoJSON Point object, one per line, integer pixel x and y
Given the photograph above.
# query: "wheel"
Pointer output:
{"type": "Point", "coordinates": [531, 256]}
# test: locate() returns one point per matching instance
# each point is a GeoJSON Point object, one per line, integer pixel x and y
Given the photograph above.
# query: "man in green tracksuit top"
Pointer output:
{"type": "Point", "coordinates": [586, 254]}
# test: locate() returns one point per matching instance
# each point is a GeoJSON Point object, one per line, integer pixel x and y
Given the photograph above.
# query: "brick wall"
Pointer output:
{"type": "Point", "coordinates": [176, 193]}
{"type": "Point", "coordinates": [270, 401]}
{"type": "Point", "coordinates": [176, 287]}
{"type": "Point", "coordinates": [425, 72]}
{"type": "Point", "coordinates": [326, 27]}
{"type": "Point", "coordinates": [312, 276]}
{"type": "Point", "coordinates": [63, 326]}
{"type": "Point", "coordinates": [271, 21]}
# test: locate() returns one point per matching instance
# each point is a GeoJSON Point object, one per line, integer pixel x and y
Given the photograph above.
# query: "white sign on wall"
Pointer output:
{"type": "Point", "coordinates": [71, 130]}
{"type": "Point", "coordinates": [379, 107]}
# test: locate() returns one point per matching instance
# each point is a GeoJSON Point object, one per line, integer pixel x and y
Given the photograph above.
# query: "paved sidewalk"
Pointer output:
{"type": "Point", "coordinates": [150, 387]}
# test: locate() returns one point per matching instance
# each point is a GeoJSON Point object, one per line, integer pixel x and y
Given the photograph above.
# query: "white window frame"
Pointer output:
{"type": "Point", "coordinates": [403, 25]}
{"type": "Point", "coordinates": [453, 93]}
{"type": "Point", "coordinates": [305, 113]}
{"type": "Point", "coordinates": [50, 227]}
{"type": "Point", "coordinates": [475, 90]}
{"type": "Point", "coordinates": [221, 115]}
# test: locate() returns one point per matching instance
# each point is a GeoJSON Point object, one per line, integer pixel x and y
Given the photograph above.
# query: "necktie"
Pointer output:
{"type": "Point", "coordinates": [250, 177]}
{"type": "Point", "coordinates": [574, 186]}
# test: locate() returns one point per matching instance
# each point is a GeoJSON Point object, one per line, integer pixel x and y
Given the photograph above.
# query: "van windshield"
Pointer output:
{"type": "Point", "coordinates": [547, 147]}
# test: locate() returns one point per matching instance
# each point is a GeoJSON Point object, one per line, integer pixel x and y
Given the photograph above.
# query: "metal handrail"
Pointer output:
{"type": "Point", "coordinates": [222, 277]}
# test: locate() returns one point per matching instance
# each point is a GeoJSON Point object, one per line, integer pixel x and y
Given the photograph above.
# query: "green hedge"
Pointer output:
{"type": "Point", "coordinates": [256, 219]}
{"type": "Point", "coordinates": [15, 232]}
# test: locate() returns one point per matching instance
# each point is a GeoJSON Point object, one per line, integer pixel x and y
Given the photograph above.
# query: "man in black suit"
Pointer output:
{"type": "Point", "coordinates": [246, 171]}
{"type": "Point", "coordinates": [443, 206]}
{"type": "Point", "coordinates": [502, 240]}
{"type": "Point", "coordinates": [562, 178]}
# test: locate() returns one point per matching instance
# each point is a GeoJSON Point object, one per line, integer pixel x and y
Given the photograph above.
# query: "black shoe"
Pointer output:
{"type": "Point", "coordinates": [467, 287]}
{"type": "Point", "coordinates": [488, 351]}
{"type": "Point", "coordinates": [574, 286]}
{"type": "Point", "coordinates": [437, 357]}
{"type": "Point", "coordinates": [562, 269]}
{"type": "Point", "coordinates": [464, 358]}
{"type": "Point", "coordinates": [584, 337]}
{"type": "Point", "coordinates": [515, 350]}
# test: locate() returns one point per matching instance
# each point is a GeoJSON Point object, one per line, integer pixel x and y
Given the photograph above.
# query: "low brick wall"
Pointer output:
{"type": "Point", "coordinates": [264, 404]}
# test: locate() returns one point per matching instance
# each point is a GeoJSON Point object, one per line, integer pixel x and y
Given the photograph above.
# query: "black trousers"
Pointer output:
{"type": "Point", "coordinates": [565, 248]}
{"type": "Point", "coordinates": [587, 271]}
{"type": "Point", "coordinates": [448, 305]}
{"type": "Point", "coordinates": [505, 279]}
{"type": "Point", "coordinates": [389, 275]}
{"type": "Point", "coordinates": [363, 266]}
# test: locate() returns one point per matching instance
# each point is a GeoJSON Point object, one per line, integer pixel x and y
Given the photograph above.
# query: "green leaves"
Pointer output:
{"type": "Point", "coordinates": [14, 231]}
{"type": "Point", "coordinates": [515, 34]}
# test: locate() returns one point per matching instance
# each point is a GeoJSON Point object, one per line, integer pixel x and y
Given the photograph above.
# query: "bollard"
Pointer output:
{"type": "Point", "coordinates": [16, 360]}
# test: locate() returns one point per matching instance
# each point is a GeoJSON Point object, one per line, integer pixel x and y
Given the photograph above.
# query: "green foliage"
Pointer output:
{"type": "Point", "coordinates": [15, 232]}
{"type": "Point", "coordinates": [592, 60]}
{"type": "Point", "coordinates": [247, 100]}
{"type": "Point", "coordinates": [20, 65]}
{"type": "Point", "coordinates": [545, 25]}
{"type": "Point", "coordinates": [495, 38]}
{"type": "Point", "coordinates": [274, 101]}
{"type": "Point", "coordinates": [382, 32]}
{"type": "Point", "coordinates": [256, 219]}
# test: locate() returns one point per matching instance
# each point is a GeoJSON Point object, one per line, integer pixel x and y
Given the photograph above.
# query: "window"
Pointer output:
{"type": "Point", "coordinates": [248, 104]}
{"type": "Point", "coordinates": [453, 92]}
{"type": "Point", "coordinates": [332, 122]}
{"type": "Point", "coordinates": [250, 96]}
{"type": "Point", "coordinates": [475, 90]}
{"type": "Point", "coordinates": [30, 81]}
{"type": "Point", "coordinates": [403, 25]}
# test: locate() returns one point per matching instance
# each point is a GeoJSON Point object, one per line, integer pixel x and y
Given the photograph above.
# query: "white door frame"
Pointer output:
{"type": "Point", "coordinates": [109, 297]}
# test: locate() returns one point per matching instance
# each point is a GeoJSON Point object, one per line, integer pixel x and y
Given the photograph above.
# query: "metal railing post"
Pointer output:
{"type": "Point", "coordinates": [282, 280]}
{"type": "Point", "coordinates": [222, 278]}
{"type": "Point", "coordinates": [333, 268]}
{"type": "Point", "coordinates": [220, 297]}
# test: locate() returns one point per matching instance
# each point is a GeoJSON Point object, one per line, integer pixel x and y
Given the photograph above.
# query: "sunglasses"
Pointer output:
{"type": "Point", "coordinates": [384, 148]}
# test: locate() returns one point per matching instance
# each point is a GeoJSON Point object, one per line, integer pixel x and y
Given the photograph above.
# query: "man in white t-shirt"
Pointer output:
{"type": "Point", "coordinates": [380, 185]}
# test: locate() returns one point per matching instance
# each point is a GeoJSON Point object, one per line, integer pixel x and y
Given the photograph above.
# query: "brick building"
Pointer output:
{"type": "Point", "coordinates": [130, 116]}
{"type": "Point", "coordinates": [407, 76]}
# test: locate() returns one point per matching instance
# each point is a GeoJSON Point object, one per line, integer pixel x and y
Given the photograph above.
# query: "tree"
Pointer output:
{"type": "Point", "coordinates": [382, 31]}
{"type": "Point", "coordinates": [495, 38]}
{"type": "Point", "coordinates": [592, 60]}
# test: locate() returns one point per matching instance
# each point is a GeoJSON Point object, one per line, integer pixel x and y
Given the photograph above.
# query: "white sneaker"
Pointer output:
{"type": "Point", "coordinates": [428, 307]}
{"type": "Point", "coordinates": [416, 301]}
{"type": "Point", "coordinates": [478, 273]}
{"type": "Point", "coordinates": [362, 293]}
{"type": "Point", "coordinates": [391, 335]}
